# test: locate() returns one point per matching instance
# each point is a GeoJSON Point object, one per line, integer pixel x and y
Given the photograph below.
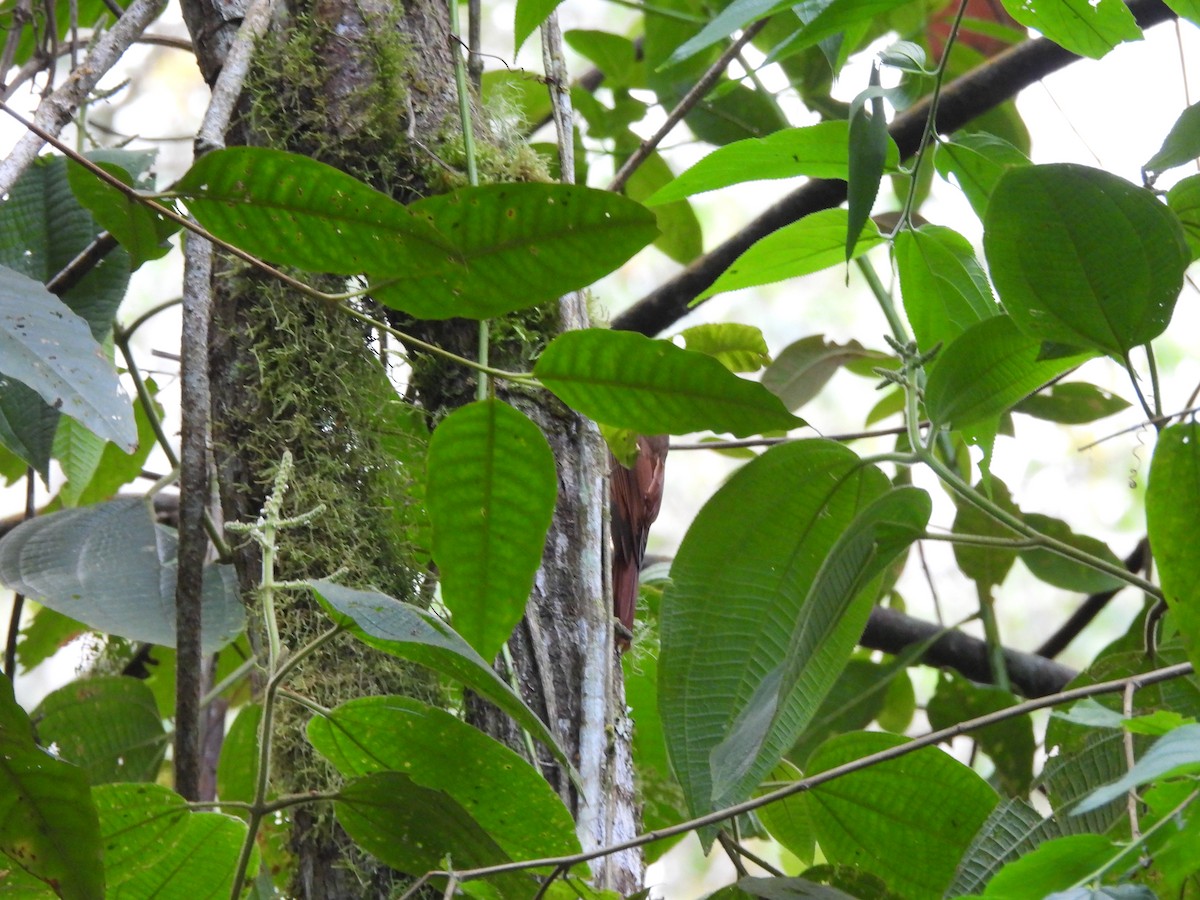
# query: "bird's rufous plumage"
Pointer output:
{"type": "Point", "coordinates": [636, 498]}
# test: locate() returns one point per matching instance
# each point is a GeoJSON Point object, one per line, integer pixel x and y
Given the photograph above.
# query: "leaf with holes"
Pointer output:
{"type": "Point", "coordinates": [626, 380]}
{"type": "Point", "coordinates": [490, 490]}
{"type": "Point", "coordinates": [521, 244]}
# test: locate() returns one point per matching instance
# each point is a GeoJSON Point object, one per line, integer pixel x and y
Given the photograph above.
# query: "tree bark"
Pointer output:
{"type": "Point", "coordinates": [377, 98]}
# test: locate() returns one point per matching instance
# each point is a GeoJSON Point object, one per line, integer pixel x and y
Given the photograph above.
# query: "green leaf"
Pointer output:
{"type": "Point", "coordinates": [816, 242]}
{"type": "Point", "coordinates": [117, 468]}
{"type": "Point", "coordinates": [1072, 403]}
{"type": "Point", "coordinates": [43, 228]}
{"type": "Point", "coordinates": [112, 567]}
{"type": "Point", "coordinates": [1010, 743]}
{"type": "Point", "coordinates": [831, 621]}
{"type": "Point", "coordinates": [522, 244]}
{"type": "Point", "coordinates": [141, 232]}
{"type": "Point", "coordinates": [1085, 27]}
{"type": "Point", "coordinates": [1055, 865]}
{"type": "Point", "coordinates": [1083, 257]}
{"type": "Point", "coordinates": [1065, 573]}
{"type": "Point", "coordinates": [412, 633]}
{"type": "Point", "coordinates": [853, 702]}
{"type": "Point", "coordinates": [789, 889]}
{"type": "Point", "coordinates": [805, 366]}
{"type": "Point", "coordinates": [46, 346]}
{"type": "Point", "coordinates": [734, 17]}
{"type": "Point", "coordinates": [1181, 145]}
{"type": "Point", "coordinates": [1186, 9]}
{"type": "Point", "coordinates": [744, 572]}
{"type": "Point", "coordinates": [109, 726]}
{"type": "Point", "coordinates": [739, 348]}
{"type": "Point", "coordinates": [1183, 199]}
{"type": "Point", "coordinates": [886, 819]}
{"type": "Point", "coordinates": [415, 829]}
{"type": "Point", "coordinates": [27, 426]}
{"type": "Point", "coordinates": [626, 380]}
{"type": "Point", "coordinates": [530, 14]}
{"type": "Point", "coordinates": [238, 763]}
{"type": "Point", "coordinates": [679, 233]}
{"type": "Point", "coordinates": [616, 56]}
{"type": "Point", "coordinates": [290, 209]}
{"type": "Point", "coordinates": [45, 634]}
{"type": "Point", "coordinates": [506, 796]}
{"type": "Point", "coordinates": [986, 566]}
{"type": "Point", "coordinates": [976, 162]}
{"type": "Point", "coordinates": [789, 821]}
{"type": "Point", "coordinates": [868, 152]}
{"type": "Point", "coordinates": [1012, 830]}
{"type": "Point", "coordinates": [48, 825]}
{"type": "Point", "coordinates": [986, 370]}
{"type": "Point", "coordinates": [815, 151]}
{"type": "Point", "coordinates": [945, 288]}
{"type": "Point", "coordinates": [1172, 520]}
{"type": "Point", "coordinates": [156, 850]}
{"type": "Point", "coordinates": [490, 489]}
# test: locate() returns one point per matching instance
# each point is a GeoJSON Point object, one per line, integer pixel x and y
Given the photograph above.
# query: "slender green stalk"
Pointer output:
{"type": "Point", "coordinates": [930, 130]}
{"type": "Point", "coordinates": [884, 298]}
{"type": "Point", "coordinates": [991, 634]}
{"type": "Point", "coordinates": [1152, 365]}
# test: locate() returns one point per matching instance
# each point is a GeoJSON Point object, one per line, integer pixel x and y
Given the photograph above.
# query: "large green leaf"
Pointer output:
{"type": "Point", "coordinates": [986, 370]}
{"type": "Point", "coordinates": [155, 849]}
{"type": "Point", "coordinates": [945, 288]}
{"type": "Point", "coordinates": [1065, 573]}
{"type": "Point", "coordinates": [734, 17]}
{"type": "Point", "coordinates": [829, 624]}
{"type": "Point", "coordinates": [739, 348]}
{"type": "Point", "coordinates": [48, 825]}
{"type": "Point", "coordinates": [623, 379]}
{"type": "Point", "coordinates": [109, 726]}
{"type": "Point", "coordinates": [490, 491]}
{"type": "Point", "coordinates": [736, 606]}
{"type": "Point", "coordinates": [1085, 27]}
{"type": "Point", "coordinates": [888, 820]}
{"type": "Point", "coordinates": [1082, 257]}
{"type": "Point", "coordinates": [416, 829]}
{"type": "Point", "coordinates": [522, 244]}
{"type": "Point", "coordinates": [816, 242]}
{"type": "Point", "coordinates": [287, 208]}
{"type": "Point", "coordinates": [238, 764]}
{"type": "Point", "coordinates": [112, 567]}
{"type": "Point", "coordinates": [412, 633]}
{"type": "Point", "coordinates": [509, 799]}
{"type": "Point", "coordinates": [46, 346]}
{"type": "Point", "coordinates": [1172, 522]}
{"type": "Point", "coordinates": [1072, 403]}
{"type": "Point", "coordinates": [816, 151]}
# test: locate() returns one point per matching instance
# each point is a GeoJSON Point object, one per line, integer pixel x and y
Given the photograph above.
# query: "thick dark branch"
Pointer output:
{"type": "Point", "coordinates": [964, 99]}
{"type": "Point", "coordinates": [1031, 675]}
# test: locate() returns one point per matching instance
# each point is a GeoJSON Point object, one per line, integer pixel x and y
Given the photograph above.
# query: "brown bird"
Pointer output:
{"type": "Point", "coordinates": [636, 495]}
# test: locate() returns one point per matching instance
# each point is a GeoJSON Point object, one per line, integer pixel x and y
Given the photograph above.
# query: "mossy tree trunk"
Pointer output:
{"type": "Point", "coordinates": [368, 86]}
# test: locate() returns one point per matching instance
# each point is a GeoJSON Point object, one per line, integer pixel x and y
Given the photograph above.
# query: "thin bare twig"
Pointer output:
{"type": "Point", "coordinates": [694, 95]}
{"type": "Point", "coordinates": [58, 108]}
{"type": "Point", "coordinates": [806, 784]}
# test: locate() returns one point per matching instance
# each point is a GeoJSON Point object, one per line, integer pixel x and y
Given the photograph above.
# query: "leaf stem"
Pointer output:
{"type": "Point", "coordinates": [939, 77]}
{"type": "Point", "coordinates": [883, 297]}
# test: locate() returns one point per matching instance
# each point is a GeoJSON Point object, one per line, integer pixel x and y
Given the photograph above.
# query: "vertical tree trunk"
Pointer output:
{"type": "Point", "coordinates": [368, 87]}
